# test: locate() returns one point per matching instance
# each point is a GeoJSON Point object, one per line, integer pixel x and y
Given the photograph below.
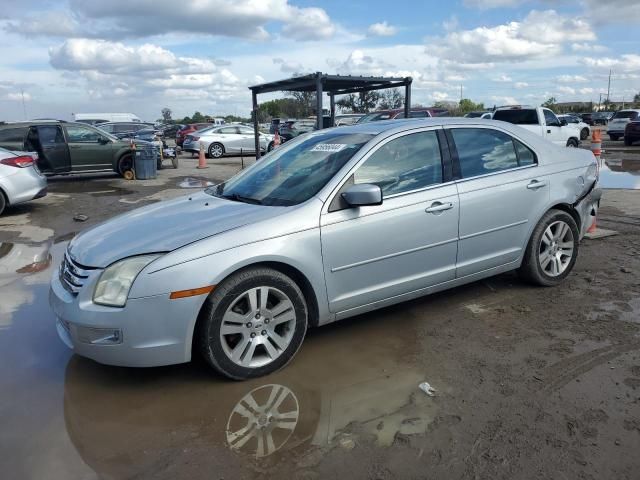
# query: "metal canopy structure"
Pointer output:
{"type": "Point", "coordinates": [332, 85]}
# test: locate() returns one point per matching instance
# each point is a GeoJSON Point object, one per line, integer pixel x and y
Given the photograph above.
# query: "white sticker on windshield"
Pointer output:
{"type": "Point", "coordinates": [328, 147]}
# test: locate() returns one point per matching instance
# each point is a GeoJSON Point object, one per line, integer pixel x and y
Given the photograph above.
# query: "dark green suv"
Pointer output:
{"type": "Point", "coordinates": [67, 147]}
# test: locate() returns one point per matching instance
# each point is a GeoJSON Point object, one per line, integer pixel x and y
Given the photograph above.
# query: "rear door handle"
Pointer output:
{"type": "Point", "coordinates": [535, 184]}
{"type": "Point", "coordinates": [437, 207]}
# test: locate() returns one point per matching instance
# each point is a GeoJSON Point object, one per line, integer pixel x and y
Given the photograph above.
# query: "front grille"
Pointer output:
{"type": "Point", "coordinates": [73, 275]}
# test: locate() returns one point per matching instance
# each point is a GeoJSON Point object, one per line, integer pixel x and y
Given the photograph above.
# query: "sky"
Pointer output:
{"type": "Point", "coordinates": [139, 56]}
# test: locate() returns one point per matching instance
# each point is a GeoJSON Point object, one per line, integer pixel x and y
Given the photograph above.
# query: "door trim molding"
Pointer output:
{"type": "Point", "coordinates": [491, 230]}
{"type": "Point", "coordinates": [392, 255]}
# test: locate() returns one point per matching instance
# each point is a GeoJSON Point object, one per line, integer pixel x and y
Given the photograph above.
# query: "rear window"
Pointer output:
{"type": "Point", "coordinates": [517, 117]}
{"type": "Point", "coordinates": [628, 114]}
{"type": "Point", "coordinates": [12, 134]}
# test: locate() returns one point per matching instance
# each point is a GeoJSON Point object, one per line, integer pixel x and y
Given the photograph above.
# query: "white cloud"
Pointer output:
{"type": "Point", "coordinates": [18, 96]}
{"type": "Point", "coordinates": [586, 90]}
{"type": "Point", "coordinates": [625, 63]}
{"type": "Point", "coordinates": [488, 4]}
{"type": "Point", "coordinates": [521, 85]}
{"type": "Point", "coordinates": [588, 48]}
{"type": "Point", "coordinates": [503, 78]}
{"type": "Point", "coordinates": [571, 79]}
{"type": "Point", "coordinates": [382, 29]}
{"type": "Point", "coordinates": [121, 19]}
{"type": "Point", "coordinates": [566, 90]}
{"type": "Point", "coordinates": [439, 96]}
{"type": "Point", "coordinates": [504, 100]}
{"type": "Point", "coordinates": [289, 67]}
{"type": "Point", "coordinates": [541, 34]}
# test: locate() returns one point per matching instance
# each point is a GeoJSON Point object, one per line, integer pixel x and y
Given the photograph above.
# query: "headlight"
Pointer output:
{"type": "Point", "coordinates": [115, 282]}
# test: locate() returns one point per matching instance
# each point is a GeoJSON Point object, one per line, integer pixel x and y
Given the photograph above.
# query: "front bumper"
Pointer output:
{"type": "Point", "coordinates": [146, 332]}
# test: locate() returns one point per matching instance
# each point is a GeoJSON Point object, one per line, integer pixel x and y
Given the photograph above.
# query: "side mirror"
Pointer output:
{"type": "Point", "coordinates": [563, 123]}
{"type": "Point", "coordinates": [103, 140]}
{"type": "Point", "coordinates": [363, 194]}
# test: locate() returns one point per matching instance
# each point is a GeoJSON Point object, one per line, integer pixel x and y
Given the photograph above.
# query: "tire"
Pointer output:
{"type": "Point", "coordinates": [572, 143]}
{"type": "Point", "coordinates": [3, 202]}
{"type": "Point", "coordinates": [613, 137]}
{"type": "Point", "coordinates": [216, 150]}
{"type": "Point", "coordinates": [584, 133]}
{"type": "Point", "coordinates": [270, 147]}
{"type": "Point", "coordinates": [251, 347]}
{"type": "Point", "coordinates": [546, 238]}
{"type": "Point", "coordinates": [125, 163]}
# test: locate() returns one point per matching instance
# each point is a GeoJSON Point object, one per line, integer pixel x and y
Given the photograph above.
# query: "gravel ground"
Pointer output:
{"type": "Point", "coordinates": [529, 382]}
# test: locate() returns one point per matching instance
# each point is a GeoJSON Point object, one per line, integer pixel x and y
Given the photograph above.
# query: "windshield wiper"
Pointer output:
{"type": "Point", "coordinates": [239, 198]}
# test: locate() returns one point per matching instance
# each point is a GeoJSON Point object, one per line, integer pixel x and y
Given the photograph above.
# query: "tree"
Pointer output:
{"type": "Point", "coordinates": [466, 106]}
{"type": "Point", "coordinates": [360, 103]}
{"type": "Point", "coordinates": [166, 114]}
{"type": "Point", "coordinates": [550, 103]}
{"type": "Point", "coordinates": [390, 98]}
{"type": "Point", "coordinates": [636, 98]}
{"type": "Point", "coordinates": [305, 103]}
{"type": "Point", "coordinates": [198, 118]}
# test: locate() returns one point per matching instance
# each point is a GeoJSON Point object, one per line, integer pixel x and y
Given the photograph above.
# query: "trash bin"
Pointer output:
{"type": "Point", "coordinates": [146, 165]}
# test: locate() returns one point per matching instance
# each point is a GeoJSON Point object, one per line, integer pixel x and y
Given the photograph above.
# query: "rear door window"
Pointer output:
{"type": "Point", "coordinates": [483, 150]}
{"type": "Point", "coordinates": [629, 115]}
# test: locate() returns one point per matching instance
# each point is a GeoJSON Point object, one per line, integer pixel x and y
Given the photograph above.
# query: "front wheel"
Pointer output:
{"type": "Point", "coordinates": [270, 146]}
{"type": "Point", "coordinates": [3, 202]}
{"type": "Point", "coordinates": [572, 143]}
{"type": "Point", "coordinates": [253, 323]}
{"type": "Point", "coordinates": [552, 250]}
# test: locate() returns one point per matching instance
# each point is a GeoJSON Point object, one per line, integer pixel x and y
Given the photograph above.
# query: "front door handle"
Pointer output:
{"type": "Point", "coordinates": [437, 207]}
{"type": "Point", "coordinates": [535, 184]}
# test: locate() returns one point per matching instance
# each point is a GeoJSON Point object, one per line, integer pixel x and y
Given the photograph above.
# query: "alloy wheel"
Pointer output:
{"type": "Point", "coordinates": [556, 248]}
{"type": "Point", "coordinates": [216, 151]}
{"type": "Point", "coordinates": [257, 327]}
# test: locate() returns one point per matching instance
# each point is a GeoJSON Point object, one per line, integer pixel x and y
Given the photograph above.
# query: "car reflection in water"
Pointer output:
{"type": "Point", "coordinates": [620, 173]}
{"type": "Point", "coordinates": [20, 264]}
{"type": "Point", "coordinates": [360, 385]}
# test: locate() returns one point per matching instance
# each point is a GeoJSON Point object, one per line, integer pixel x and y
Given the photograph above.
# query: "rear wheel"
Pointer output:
{"type": "Point", "coordinates": [253, 323]}
{"type": "Point", "coordinates": [552, 250]}
{"type": "Point", "coordinates": [584, 133]}
{"type": "Point", "coordinates": [270, 147]}
{"type": "Point", "coordinates": [216, 150]}
{"type": "Point", "coordinates": [572, 143]}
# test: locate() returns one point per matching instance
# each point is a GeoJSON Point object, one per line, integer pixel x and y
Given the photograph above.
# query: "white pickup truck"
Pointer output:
{"type": "Point", "coordinates": [541, 121]}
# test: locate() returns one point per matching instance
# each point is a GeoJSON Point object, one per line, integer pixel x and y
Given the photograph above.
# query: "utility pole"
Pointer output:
{"type": "Point", "coordinates": [460, 92]}
{"type": "Point", "coordinates": [24, 107]}
{"type": "Point", "coordinates": [599, 102]}
{"type": "Point", "coordinates": [609, 87]}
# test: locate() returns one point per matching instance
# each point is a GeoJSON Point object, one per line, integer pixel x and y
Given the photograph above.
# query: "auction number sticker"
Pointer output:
{"type": "Point", "coordinates": [328, 147]}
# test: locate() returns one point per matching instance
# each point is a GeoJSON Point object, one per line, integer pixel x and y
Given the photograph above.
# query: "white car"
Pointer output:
{"type": "Point", "coordinates": [20, 179]}
{"type": "Point", "coordinates": [576, 122]}
{"type": "Point", "coordinates": [618, 122]}
{"type": "Point", "coordinates": [228, 139]}
{"type": "Point", "coordinates": [542, 122]}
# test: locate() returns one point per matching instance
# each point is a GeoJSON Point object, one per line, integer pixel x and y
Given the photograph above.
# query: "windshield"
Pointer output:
{"type": "Point", "coordinates": [517, 116]}
{"type": "Point", "coordinates": [295, 172]}
{"type": "Point", "coordinates": [628, 114]}
{"type": "Point", "coordinates": [374, 117]}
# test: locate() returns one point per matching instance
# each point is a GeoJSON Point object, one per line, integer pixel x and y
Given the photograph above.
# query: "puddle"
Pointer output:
{"type": "Point", "coordinates": [191, 182]}
{"type": "Point", "coordinates": [620, 173]}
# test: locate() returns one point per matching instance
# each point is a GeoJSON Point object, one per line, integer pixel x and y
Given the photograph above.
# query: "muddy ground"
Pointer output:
{"type": "Point", "coordinates": [530, 382]}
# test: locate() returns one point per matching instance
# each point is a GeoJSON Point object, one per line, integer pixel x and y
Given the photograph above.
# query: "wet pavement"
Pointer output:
{"type": "Point", "coordinates": [529, 382]}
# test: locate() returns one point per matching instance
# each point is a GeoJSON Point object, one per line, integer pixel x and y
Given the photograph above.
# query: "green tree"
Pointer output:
{"type": "Point", "coordinates": [198, 118]}
{"type": "Point", "coordinates": [390, 98]}
{"type": "Point", "coordinates": [466, 106]}
{"type": "Point", "coordinates": [636, 98]}
{"type": "Point", "coordinates": [550, 103]}
{"type": "Point", "coordinates": [359, 103]}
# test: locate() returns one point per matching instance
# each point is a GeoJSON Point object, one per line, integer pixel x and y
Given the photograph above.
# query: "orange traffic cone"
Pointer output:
{"type": "Point", "coordinates": [202, 161]}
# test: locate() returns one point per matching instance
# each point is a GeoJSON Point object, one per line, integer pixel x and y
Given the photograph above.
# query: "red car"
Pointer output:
{"type": "Point", "coordinates": [190, 128]}
{"type": "Point", "coordinates": [632, 132]}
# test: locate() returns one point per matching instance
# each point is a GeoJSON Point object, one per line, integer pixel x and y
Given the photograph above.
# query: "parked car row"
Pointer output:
{"type": "Point", "coordinates": [227, 139]}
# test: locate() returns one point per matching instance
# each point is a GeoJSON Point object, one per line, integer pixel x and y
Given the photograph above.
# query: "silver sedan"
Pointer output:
{"type": "Point", "coordinates": [229, 139]}
{"type": "Point", "coordinates": [239, 271]}
{"type": "Point", "coordinates": [20, 179]}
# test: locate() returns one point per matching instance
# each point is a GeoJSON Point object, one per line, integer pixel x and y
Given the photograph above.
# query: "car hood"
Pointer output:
{"type": "Point", "coordinates": [163, 227]}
